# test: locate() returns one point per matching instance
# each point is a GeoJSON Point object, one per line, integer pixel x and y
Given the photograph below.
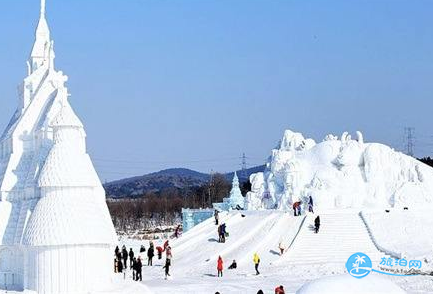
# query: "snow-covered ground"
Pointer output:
{"type": "Point", "coordinates": [312, 260]}
{"type": "Point", "coordinates": [405, 233]}
{"type": "Point", "coordinates": [195, 253]}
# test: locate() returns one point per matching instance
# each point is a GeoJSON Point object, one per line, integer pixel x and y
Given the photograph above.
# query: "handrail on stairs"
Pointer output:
{"type": "Point", "coordinates": [297, 233]}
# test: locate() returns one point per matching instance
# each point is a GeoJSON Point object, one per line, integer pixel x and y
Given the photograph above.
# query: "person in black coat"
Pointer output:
{"type": "Point", "coordinates": [234, 265]}
{"type": "Point", "coordinates": [317, 224]}
{"type": "Point", "coordinates": [150, 254]}
{"type": "Point", "coordinates": [119, 266]}
{"type": "Point", "coordinates": [139, 266]}
{"type": "Point", "coordinates": [134, 268]}
{"type": "Point", "coordinates": [131, 257]}
{"type": "Point", "coordinates": [310, 204]}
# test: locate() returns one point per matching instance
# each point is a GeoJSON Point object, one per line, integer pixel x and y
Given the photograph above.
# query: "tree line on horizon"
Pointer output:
{"type": "Point", "coordinates": [165, 207]}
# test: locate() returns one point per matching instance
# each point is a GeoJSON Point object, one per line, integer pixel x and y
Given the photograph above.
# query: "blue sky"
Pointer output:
{"type": "Point", "coordinates": [194, 83]}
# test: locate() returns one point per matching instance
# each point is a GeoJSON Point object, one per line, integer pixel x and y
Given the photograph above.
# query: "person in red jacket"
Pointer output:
{"type": "Point", "coordinates": [220, 266]}
{"type": "Point", "coordinates": [279, 290]}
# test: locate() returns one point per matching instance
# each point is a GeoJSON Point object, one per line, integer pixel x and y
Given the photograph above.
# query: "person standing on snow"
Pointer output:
{"type": "Point", "coordinates": [221, 237]}
{"type": "Point", "coordinates": [150, 254]}
{"type": "Point", "coordinates": [281, 246]}
{"type": "Point", "coordinates": [134, 268]}
{"type": "Point", "coordinates": [131, 257]}
{"type": "Point", "coordinates": [139, 268]}
{"type": "Point", "coordinates": [223, 232]}
{"type": "Point", "coordinates": [220, 266]}
{"type": "Point", "coordinates": [167, 262]}
{"type": "Point", "coordinates": [317, 224]}
{"type": "Point", "coordinates": [119, 266]}
{"type": "Point", "coordinates": [177, 231]}
{"type": "Point", "coordinates": [310, 204]}
{"type": "Point", "coordinates": [216, 215]}
{"type": "Point", "coordinates": [297, 208]}
{"type": "Point", "coordinates": [124, 256]}
{"type": "Point", "coordinates": [256, 260]}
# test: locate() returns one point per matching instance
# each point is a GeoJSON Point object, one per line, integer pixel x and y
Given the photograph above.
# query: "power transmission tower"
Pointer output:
{"type": "Point", "coordinates": [244, 164]}
{"type": "Point", "coordinates": [211, 188]}
{"type": "Point", "coordinates": [409, 134]}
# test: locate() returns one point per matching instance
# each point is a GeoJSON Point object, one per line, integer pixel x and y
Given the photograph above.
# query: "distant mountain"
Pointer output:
{"type": "Point", "coordinates": [178, 178]}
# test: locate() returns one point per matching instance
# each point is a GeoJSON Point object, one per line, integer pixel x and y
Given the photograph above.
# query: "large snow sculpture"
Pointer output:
{"type": "Point", "coordinates": [341, 173]}
{"type": "Point", "coordinates": [56, 234]}
{"type": "Point", "coordinates": [235, 199]}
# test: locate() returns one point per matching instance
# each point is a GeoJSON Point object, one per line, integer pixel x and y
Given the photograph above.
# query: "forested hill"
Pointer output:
{"type": "Point", "coordinates": [175, 178]}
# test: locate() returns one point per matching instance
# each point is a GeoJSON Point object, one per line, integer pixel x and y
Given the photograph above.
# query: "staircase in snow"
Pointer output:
{"type": "Point", "coordinates": [341, 234]}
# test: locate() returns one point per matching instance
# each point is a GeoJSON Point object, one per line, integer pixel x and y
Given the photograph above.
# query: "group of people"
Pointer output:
{"type": "Point", "coordinates": [222, 233]}
{"type": "Point", "coordinates": [136, 264]}
{"type": "Point", "coordinates": [278, 290]}
{"type": "Point", "coordinates": [297, 206]}
{"type": "Point", "coordinates": [234, 265]}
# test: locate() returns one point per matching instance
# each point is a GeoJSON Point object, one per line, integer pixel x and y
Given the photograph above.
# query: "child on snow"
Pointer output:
{"type": "Point", "coordinates": [220, 266]}
{"type": "Point", "coordinates": [281, 246]}
{"type": "Point", "coordinates": [279, 290]}
{"type": "Point", "coordinates": [167, 262]}
{"type": "Point", "coordinates": [160, 250]}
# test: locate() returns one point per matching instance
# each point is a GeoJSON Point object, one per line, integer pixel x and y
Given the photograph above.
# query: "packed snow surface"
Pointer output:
{"type": "Point", "coordinates": [340, 173]}
{"type": "Point", "coordinates": [347, 284]}
{"type": "Point", "coordinates": [309, 256]}
{"type": "Point", "coordinates": [403, 233]}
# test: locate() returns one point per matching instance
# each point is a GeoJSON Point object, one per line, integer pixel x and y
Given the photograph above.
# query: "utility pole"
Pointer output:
{"type": "Point", "coordinates": [409, 134]}
{"type": "Point", "coordinates": [210, 187]}
{"type": "Point", "coordinates": [244, 164]}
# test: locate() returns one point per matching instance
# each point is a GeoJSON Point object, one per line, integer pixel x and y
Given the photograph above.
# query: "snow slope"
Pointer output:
{"type": "Point", "coordinates": [258, 231]}
{"type": "Point", "coordinates": [405, 233]}
{"type": "Point", "coordinates": [341, 284]}
{"type": "Point", "coordinates": [311, 256]}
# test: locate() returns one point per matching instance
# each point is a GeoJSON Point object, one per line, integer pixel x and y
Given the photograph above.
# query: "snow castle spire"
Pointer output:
{"type": "Point", "coordinates": [51, 199]}
{"type": "Point", "coordinates": [43, 8]}
{"type": "Point", "coordinates": [42, 51]}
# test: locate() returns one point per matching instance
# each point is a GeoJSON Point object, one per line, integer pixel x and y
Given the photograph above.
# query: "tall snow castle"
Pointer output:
{"type": "Point", "coordinates": [56, 234]}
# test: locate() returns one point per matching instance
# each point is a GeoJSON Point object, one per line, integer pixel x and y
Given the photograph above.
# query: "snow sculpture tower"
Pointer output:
{"type": "Point", "coordinates": [236, 197]}
{"type": "Point", "coordinates": [56, 233]}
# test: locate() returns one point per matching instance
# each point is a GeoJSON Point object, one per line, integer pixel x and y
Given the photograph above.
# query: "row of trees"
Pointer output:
{"type": "Point", "coordinates": [427, 160]}
{"type": "Point", "coordinates": [164, 207]}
